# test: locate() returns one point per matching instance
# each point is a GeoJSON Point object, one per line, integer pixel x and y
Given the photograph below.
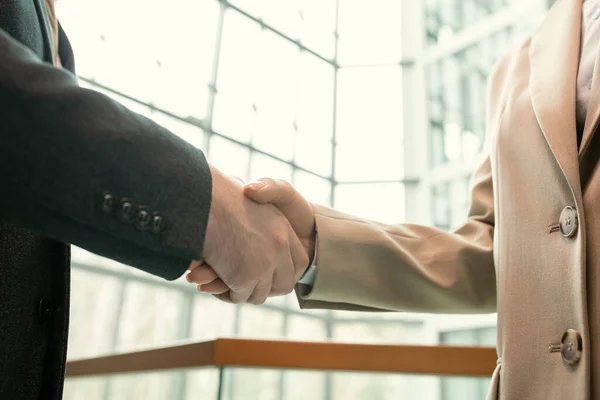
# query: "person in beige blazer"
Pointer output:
{"type": "Point", "coordinates": [529, 249]}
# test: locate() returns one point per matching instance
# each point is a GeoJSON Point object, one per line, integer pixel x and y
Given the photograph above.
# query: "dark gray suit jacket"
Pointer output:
{"type": "Point", "coordinates": [77, 167]}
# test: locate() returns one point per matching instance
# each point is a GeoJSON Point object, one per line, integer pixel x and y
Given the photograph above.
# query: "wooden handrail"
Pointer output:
{"type": "Point", "coordinates": [426, 360]}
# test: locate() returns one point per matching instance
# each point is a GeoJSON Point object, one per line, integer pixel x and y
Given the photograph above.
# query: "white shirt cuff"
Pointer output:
{"type": "Point", "coordinates": [308, 278]}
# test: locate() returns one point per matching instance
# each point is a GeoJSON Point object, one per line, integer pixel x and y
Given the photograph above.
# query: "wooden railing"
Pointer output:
{"type": "Point", "coordinates": [221, 353]}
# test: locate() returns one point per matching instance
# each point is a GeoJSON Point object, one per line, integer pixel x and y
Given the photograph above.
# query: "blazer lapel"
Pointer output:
{"type": "Point", "coordinates": [554, 57]}
{"type": "Point", "coordinates": [40, 6]}
{"type": "Point", "coordinates": [588, 151]}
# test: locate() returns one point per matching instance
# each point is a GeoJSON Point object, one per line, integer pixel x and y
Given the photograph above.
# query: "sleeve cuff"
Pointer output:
{"type": "Point", "coordinates": [308, 279]}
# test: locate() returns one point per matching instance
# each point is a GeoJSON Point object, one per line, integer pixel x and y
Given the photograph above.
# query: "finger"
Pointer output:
{"type": "Point", "coordinates": [202, 275]}
{"type": "Point", "coordinates": [242, 295]}
{"type": "Point", "coordinates": [226, 297]}
{"type": "Point", "coordinates": [215, 287]}
{"type": "Point", "coordinates": [195, 264]}
{"type": "Point", "coordinates": [261, 291]}
{"type": "Point", "coordinates": [277, 192]}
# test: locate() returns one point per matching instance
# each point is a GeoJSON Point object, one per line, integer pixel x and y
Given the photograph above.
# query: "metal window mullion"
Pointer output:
{"type": "Point", "coordinates": [212, 87]}
{"type": "Point", "coordinates": [330, 320]}
{"type": "Point", "coordinates": [179, 383]}
{"type": "Point", "coordinates": [205, 126]}
{"type": "Point", "coordinates": [276, 31]}
{"type": "Point", "coordinates": [115, 335]}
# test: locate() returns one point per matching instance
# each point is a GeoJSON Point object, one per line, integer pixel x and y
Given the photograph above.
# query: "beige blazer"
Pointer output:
{"type": "Point", "coordinates": [530, 248]}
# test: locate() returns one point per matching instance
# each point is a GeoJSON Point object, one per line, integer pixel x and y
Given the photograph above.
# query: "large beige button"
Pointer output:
{"type": "Point", "coordinates": [571, 346]}
{"type": "Point", "coordinates": [568, 221]}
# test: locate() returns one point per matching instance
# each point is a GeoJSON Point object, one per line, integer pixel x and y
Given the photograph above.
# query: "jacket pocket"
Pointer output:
{"type": "Point", "coordinates": [494, 392]}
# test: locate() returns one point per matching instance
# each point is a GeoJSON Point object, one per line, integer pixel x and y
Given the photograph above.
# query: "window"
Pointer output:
{"type": "Point", "coordinates": [467, 388]}
{"type": "Point", "coordinates": [311, 91]}
{"type": "Point", "coordinates": [446, 18]}
{"type": "Point", "coordinates": [457, 86]}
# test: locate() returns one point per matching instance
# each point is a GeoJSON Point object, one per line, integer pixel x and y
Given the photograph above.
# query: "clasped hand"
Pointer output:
{"type": "Point", "coordinates": [259, 240]}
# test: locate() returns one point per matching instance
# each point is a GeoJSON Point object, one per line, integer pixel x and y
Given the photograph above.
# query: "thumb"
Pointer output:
{"type": "Point", "coordinates": [277, 192]}
{"type": "Point", "coordinates": [284, 197]}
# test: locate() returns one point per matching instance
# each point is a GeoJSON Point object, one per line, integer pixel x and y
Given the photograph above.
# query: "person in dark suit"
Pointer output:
{"type": "Point", "coordinates": [78, 168]}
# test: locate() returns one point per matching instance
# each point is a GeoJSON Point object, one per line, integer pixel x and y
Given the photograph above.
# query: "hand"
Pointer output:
{"type": "Point", "coordinates": [294, 207]}
{"type": "Point", "coordinates": [250, 247]}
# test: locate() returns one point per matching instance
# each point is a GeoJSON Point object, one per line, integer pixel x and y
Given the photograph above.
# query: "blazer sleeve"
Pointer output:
{"type": "Point", "coordinates": [78, 167]}
{"type": "Point", "coordinates": [368, 266]}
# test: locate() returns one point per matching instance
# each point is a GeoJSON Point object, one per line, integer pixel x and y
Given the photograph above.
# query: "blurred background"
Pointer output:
{"type": "Point", "coordinates": [374, 107]}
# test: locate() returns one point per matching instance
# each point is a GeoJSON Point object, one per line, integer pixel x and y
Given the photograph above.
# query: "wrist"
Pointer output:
{"type": "Point", "coordinates": [212, 226]}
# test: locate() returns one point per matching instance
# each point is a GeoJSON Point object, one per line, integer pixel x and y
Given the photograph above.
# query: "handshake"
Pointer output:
{"type": "Point", "coordinates": [259, 241]}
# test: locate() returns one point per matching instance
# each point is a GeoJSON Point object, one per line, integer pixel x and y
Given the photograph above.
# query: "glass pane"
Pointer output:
{"type": "Point", "coordinates": [280, 301]}
{"type": "Point", "coordinates": [259, 322]}
{"type": "Point", "coordinates": [441, 206]}
{"type": "Point", "coordinates": [85, 388]}
{"type": "Point", "coordinates": [303, 385]}
{"type": "Point", "coordinates": [254, 8]}
{"type": "Point", "coordinates": [263, 166]}
{"type": "Point", "coordinates": [445, 18]}
{"type": "Point", "coordinates": [238, 77]}
{"type": "Point", "coordinates": [457, 86]}
{"type": "Point", "coordinates": [81, 257]}
{"type": "Point", "coordinates": [150, 316]}
{"type": "Point", "coordinates": [143, 62]}
{"type": "Point", "coordinates": [94, 304]}
{"type": "Point", "coordinates": [369, 124]}
{"type": "Point", "coordinates": [459, 195]}
{"type": "Point", "coordinates": [283, 16]}
{"type": "Point", "coordinates": [147, 386]}
{"type": "Point", "coordinates": [229, 157]}
{"type": "Point", "coordinates": [239, 65]}
{"type": "Point", "coordinates": [488, 336]}
{"type": "Point", "coordinates": [369, 32]}
{"type": "Point", "coordinates": [370, 332]}
{"type": "Point", "coordinates": [462, 388]}
{"type": "Point", "coordinates": [234, 116]}
{"type": "Point", "coordinates": [318, 26]}
{"type": "Point", "coordinates": [306, 328]}
{"type": "Point", "coordinates": [211, 318]}
{"type": "Point", "coordinates": [310, 21]}
{"type": "Point", "coordinates": [379, 202]}
{"type": "Point", "coordinates": [459, 338]}
{"type": "Point", "coordinates": [313, 153]}
{"type": "Point", "coordinates": [360, 386]}
{"type": "Point", "coordinates": [314, 189]}
{"type": "Point", "coordinates": [438, 156]}
{"type": "Point", "coordinates": [471, 387]}
{"type": "Point", "coordinates": [184, 72]}
{"type": "Point", "coordinates": [314, 115]}
{"type": "Point", "coordinates": [202, 384]}
{"type": "Point", "coordinates": [276, 99]}
{"type": "Point", "coordinates": [252, 384]}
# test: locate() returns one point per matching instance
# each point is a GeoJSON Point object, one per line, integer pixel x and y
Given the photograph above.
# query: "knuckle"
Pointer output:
{"type": "Point", "coordinates": [288, 287]}
{"type": "Point", "coordinates": [284, 184]}
{"type": "Point", "coordinates": [277, 290]}
{"type": "Point", "coordinates": [258, 301]}
{"type": "Point", "coordinates": [288, 192]}
{"type": "Point", "coordinates": [269, 181]}
{"type": "Point", "coordinates": [283, 287]}
{"type": "Point", "coordinates": [280, 240]}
